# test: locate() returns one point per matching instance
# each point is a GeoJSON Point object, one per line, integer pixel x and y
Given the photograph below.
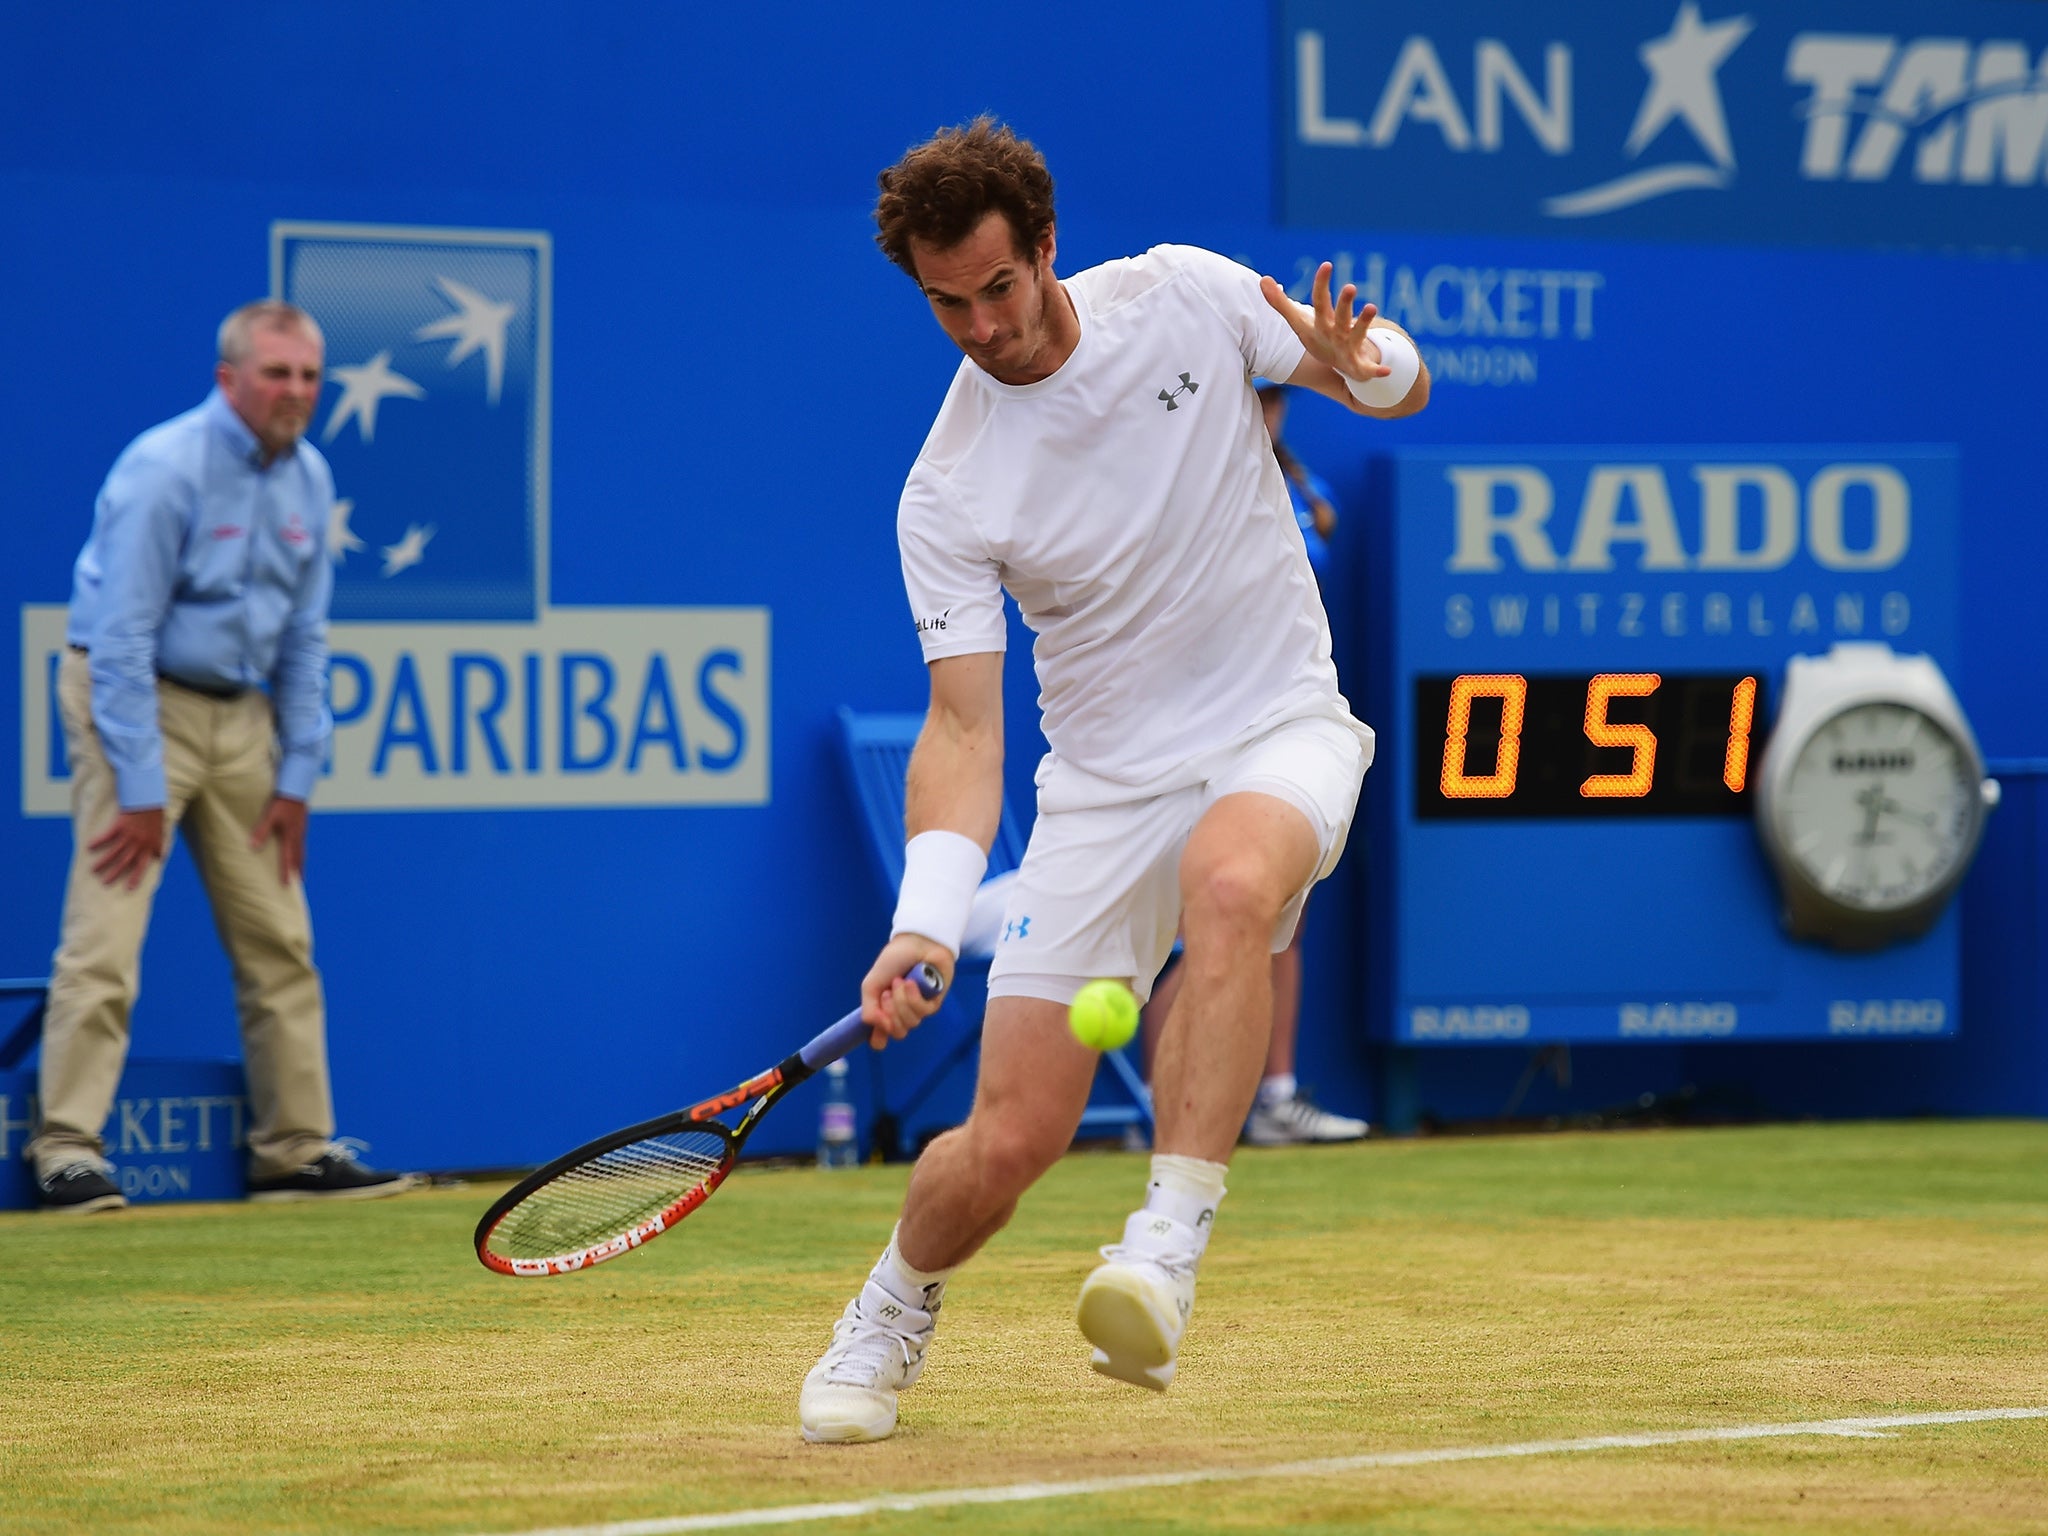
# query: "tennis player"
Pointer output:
{"type": "Point", "coordinates": [1101, 455]}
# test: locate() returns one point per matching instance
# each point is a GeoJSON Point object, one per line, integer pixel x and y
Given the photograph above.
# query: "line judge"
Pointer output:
{"type": "Point", "coordinates": [193, 699]}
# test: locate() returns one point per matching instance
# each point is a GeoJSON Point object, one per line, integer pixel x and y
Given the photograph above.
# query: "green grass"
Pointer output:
{"type": "Point", "coordinates": [188, 1369]}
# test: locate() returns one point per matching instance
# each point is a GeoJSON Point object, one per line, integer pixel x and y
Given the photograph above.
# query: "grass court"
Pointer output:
{"type": "Point", "coordinates": [207, 1368]}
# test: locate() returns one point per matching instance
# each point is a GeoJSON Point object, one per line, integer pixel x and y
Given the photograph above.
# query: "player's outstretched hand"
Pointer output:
{"type": "Point", "coordinates": [1329, 329]}
{"type": "Point", "coordinates": [890, 1003]}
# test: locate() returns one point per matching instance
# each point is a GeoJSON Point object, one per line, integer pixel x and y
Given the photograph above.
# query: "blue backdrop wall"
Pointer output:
{"type": "Point", "coordinates": [730, 384]}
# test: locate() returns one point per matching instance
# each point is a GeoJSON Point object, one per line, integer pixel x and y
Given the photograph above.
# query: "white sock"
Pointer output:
{"type": "Point", "coordinates": [919, 1287]}
{"type": "Point", "coordinates": [1187, 1189]}
{"type": "Point", "coordinates": [1278, 1088]}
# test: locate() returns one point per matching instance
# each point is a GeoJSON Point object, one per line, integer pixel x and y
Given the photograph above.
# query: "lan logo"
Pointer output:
{"type": "Point", "coordinates": [1683, 65]}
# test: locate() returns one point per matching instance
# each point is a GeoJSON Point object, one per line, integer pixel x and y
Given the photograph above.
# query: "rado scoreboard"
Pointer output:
{"type": "Point", "coordinates": [1576, 660]}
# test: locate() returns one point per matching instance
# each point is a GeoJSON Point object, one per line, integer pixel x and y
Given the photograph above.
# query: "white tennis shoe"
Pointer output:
{"type": "Point", "coordinates": [1293, 1120]}
{"type": "Point", "coordinates": [1135, 1306]}
{"type": "Point", "coordinates": [877, 1351]}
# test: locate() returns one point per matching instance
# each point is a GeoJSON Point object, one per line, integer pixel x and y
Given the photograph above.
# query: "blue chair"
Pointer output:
{"type": "Point", "coordinates": [877, 748]}
{"type": "Point", "coordinates": [23, 1037]}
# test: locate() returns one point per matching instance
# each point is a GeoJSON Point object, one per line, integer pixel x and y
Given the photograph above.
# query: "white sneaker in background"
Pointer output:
{"type": "Point", "coordinates": [1134, 1307]}
{"type": "Point", "coordinates": [1285, 1122]}
{"type": "Point", "coordinates": [877, 1351]}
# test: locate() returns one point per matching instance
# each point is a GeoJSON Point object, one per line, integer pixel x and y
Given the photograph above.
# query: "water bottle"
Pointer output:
{"type": "Point", "coordinates": [838, 1146]}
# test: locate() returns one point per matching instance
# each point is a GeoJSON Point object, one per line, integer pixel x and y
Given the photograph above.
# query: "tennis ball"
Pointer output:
{"type": "Point", "coordinates": [1103, 1015]}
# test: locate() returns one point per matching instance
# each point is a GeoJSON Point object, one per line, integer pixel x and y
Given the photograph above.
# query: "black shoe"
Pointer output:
{"type": "Point", "coordinates": [333, 1175]}
{"type": "Point", "coordinates": [79, 1188]}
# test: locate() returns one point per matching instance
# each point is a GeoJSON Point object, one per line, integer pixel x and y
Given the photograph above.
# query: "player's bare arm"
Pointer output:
{"type": "Point", "coordinates": [1341, 347]}
{"type": "Point", "coordinates": [955, 784]}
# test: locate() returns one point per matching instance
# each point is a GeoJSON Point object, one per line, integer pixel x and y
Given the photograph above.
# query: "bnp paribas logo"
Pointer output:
{"type": "Point", "coordinates": [435, 414]}
{"type": "Point", "coordinates": [454, 681]}
{"type": "Point", "coordinates": [1684, 87]}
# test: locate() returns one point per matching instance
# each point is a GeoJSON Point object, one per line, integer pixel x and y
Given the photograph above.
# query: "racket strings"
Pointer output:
{"type": "Point", "coordinates": [610, 1194]}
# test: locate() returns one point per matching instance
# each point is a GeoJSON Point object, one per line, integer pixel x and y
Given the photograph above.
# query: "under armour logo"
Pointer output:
{"type": "Point", "coordinates": [1187, 387]}
{"type": "Point", "coordinates": [1017, 928]}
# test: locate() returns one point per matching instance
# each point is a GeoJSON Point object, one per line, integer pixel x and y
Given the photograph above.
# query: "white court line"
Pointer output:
{"type": "Point", "coordinates": [1020, 1493]}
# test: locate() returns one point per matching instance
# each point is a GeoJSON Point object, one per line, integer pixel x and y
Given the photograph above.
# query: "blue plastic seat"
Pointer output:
{"type": "Point", "coordinates": [22, 1038]}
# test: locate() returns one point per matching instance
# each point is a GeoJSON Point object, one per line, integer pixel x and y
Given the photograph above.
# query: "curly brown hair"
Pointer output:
{"type": "Point", "coordinates": [943, 188]}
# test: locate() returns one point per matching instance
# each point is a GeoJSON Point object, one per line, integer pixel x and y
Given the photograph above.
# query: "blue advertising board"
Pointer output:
{"type": "Point", "coordinates": [1877, 123]}
{"type": "Point", "coordinates": [606, 575]}
{"type": "Point", "coordinates": [177, 1132]}
{"type": "Point", "coordinates": [1585, 649]}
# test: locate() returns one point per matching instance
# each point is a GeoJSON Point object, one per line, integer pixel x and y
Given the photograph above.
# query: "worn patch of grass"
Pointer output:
{"type": "Point", "coordinates": [189, 1369]}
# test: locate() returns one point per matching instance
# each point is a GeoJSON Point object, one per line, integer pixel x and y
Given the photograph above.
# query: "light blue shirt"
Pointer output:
{"type": "Point", "coordinates": [208, 568]}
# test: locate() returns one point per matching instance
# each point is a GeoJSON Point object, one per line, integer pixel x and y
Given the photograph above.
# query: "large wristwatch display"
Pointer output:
{"type": "Point", "coordinates": [1871, 795]}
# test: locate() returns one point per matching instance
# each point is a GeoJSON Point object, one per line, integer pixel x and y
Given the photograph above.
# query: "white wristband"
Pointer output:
{"type": "Point", "coordinates": [941, 871]}
{"type": "Point", "coordinates": [1399, 354]}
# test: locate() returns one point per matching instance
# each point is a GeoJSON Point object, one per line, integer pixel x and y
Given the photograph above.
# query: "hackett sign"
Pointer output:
{"type": "Point", "coordinates": [1888, 123]}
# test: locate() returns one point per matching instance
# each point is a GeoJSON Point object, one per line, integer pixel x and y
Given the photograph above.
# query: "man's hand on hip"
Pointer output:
{"type": "Point", "coordinates": [284, 819]}
{"type": "Point", "coordinates": [129, 847]}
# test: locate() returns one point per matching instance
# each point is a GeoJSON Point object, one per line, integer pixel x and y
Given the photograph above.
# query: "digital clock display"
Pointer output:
{"type": "Point", "coordinates": [1575, 656]}
{"type": "Point", "coordinates": [1498, 745]}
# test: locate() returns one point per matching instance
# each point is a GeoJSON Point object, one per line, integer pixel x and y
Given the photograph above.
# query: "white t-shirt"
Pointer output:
{"type": "Point", "coordinates": [1132, 505]}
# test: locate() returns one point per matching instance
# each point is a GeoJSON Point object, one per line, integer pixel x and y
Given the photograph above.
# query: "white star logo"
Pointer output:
{"type": "Point", "coordinates": [363, 389]}
{"type": "Point", "coordinates": [478, 325]}
{"type": "Point", "coordinates": [1682, 66]}
{"type": "Point", "coordinates": [341, 538]}
{"type": "Point", "coordinates": [408, 551]}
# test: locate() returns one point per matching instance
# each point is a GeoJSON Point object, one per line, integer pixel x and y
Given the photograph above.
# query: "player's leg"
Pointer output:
{"type": "Point", "coordinates": [1157, 1010]}
{"type": "Point", "coordinates": [1286, 1007]}
{"type": "Point", "coordinates": [1275, 822]}
{"type": "Point", "coordinates": [1033, 1085]}
{"type": "Point", "coordinates": [1282, 1113]}
{"type": "Point", "coordinates": [1247, 857]}
{"type": "Point", "coordinates": [1028, 1100]}
{"type": "Point", "coordinates": [1095, 890]}
{"type": "Point", "coordinates": [97, 971]}
{"type": "Point", "coordinates": [1280, 812]}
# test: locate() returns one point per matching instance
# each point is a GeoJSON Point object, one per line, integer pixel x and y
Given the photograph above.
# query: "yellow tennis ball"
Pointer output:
{"type": "Point", "coordinates": [1103, 1015]}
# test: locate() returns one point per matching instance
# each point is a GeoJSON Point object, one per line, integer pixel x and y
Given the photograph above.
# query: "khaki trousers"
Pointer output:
{"type": "Point", "coordinates": [220, 772]}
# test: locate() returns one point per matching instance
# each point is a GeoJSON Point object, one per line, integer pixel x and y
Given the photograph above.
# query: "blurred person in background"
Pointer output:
{"type": "Point", "coordinates": [193, 696]}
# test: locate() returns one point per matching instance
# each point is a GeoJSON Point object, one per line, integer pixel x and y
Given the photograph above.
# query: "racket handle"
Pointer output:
{"type": "Point", "coordinates": [850, 1031]}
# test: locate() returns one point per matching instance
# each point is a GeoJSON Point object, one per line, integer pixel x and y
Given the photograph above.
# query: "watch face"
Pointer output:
{"type": "Point", "coordinates": [1879, 807]}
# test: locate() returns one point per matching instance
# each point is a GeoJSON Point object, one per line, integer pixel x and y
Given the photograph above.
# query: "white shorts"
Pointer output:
{"type": "Point", "coordinates": [1098, 894]}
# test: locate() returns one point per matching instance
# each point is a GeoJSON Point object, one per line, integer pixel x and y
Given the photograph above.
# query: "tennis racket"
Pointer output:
{"type": "Point", "coordinates": [614, 1194]}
